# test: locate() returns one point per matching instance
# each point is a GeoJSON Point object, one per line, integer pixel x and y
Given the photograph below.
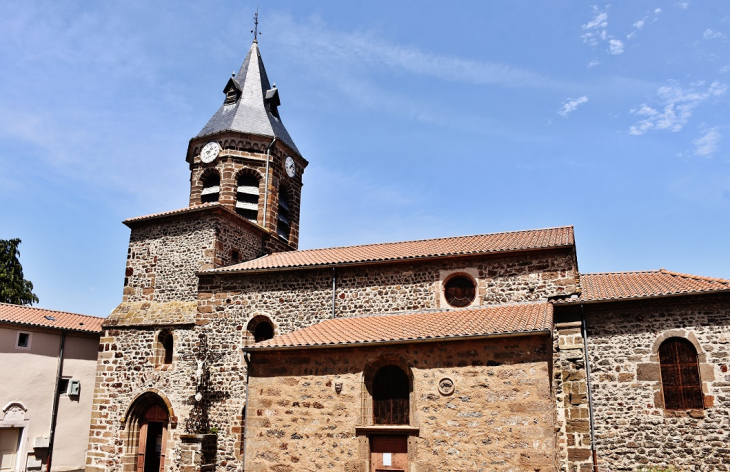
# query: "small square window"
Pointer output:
{"type": "Point", "coordinates": [23, 341]}
{"type": "Point", "coordinates": [63, 386]}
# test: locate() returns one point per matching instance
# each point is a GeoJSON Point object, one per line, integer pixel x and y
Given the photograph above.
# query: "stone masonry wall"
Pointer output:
{"type": "Point", "coordinates": [164, 254]}
{"type": "Point", "coordinates": [632, 426]}
{"type": "Point", "coordinates": [298, 298]}
{"type": "Point", "coordinates": [498, 418]}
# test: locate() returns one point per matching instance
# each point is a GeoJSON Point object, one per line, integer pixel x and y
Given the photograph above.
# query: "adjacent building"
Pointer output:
{"type": "Point", "coordinates": [47, 366]}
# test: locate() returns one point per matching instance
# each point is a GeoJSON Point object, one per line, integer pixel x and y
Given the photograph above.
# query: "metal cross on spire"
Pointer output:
{"type": "Point", "coordinates": [255, 29]}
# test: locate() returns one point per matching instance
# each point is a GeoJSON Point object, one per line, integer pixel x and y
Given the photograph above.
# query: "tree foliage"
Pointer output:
{"type": "Point", "coordinates": [13, 287]}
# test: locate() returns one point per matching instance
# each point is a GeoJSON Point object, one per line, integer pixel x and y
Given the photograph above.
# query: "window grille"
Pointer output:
{"type": "Point", "coordinates": [680, 375]}
{"type": "Point", "coordinates": [247, 199]}
{"type": "Point", "coordinates": [211, 188]}
{"type": "Point", "coordinates": [391, 392]}
{"type": "Point", "coordinates": [460, 291]}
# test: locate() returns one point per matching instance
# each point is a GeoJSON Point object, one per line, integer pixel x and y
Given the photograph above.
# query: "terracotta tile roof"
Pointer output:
{"type": "Point", "coordinates": [191, 209]}
{"type": "Point", "coordinates": [425, 248]}
{"type": "Point", "coordinates": [662, 282]}
{"type": "Point", "coordinates": [425, 326]}
{"type": "Point", "coordinates": [30, 316]}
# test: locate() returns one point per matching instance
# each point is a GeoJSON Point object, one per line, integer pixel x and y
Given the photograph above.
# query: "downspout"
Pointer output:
{"type": "Point", "coordinates": [247, 359]}
{"type": "Point", "coordinates": [334, 291]}
{"type": "Point", "coordinates": [590, 395]}
{"type": "Point", "coordinates": [56, 393]}
{"type": "Point", "coordinates": [266, 184]}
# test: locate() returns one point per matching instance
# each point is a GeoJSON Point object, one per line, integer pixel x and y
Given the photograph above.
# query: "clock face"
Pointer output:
{"type": "Point", "coordinates": [210, 152]}
{"type": "Point", "coordinates": [291, 168]}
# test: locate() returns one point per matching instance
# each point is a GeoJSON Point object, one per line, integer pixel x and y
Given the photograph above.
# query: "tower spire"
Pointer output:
{"type": "Point", "coordinates": [255, 29]}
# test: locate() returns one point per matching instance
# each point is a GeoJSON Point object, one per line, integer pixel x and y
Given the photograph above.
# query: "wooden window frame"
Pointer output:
{"type": "Point", "coordinates": [681, 381]}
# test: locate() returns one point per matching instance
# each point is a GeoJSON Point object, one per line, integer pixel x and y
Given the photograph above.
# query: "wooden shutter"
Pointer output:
{"type": "Point", "coordinates": [680, 375]}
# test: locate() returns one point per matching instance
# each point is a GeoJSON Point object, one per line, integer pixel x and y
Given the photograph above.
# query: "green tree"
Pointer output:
{"type": "Point", "coordinates": [13, 287]}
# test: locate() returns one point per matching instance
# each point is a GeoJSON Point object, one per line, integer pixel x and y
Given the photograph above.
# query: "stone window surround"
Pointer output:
{"type": "Point", "coordinates": [17, 340]}
{"type": "Point", "coordinates": [446, 275]}
{"type": "Point", "coordinates": [11, 418]}
{"type": "Point", "coordinates": [251, 324]}
{"type": "Point", "coordinates": [366, 397]}
{"type": "Point", "coordinates": [651, 372]}
{"type": "Point", "coordinates": [159, 359]}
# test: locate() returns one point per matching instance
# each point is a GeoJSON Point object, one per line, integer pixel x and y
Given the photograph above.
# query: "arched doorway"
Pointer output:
{"type": "Point", "coordinates": [148, 421]}
{"type": "Point", "coordinates": [152, 440]}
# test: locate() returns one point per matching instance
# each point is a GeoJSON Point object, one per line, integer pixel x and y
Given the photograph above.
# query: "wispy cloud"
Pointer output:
{"type": "Point", "coordinates": [594, 62]}
{"type": "Point", "coordinates": [707, 144]}
{"type": "Point", "coordinates": [571, 104]}
{"type": "Point", "coordinates": [674, 108]}
{"type": "Point", "coordinates": [709, 34]}
{"type": "Point", "coordinates": [647, 19]}
{"type": "Point", "coordinates": [595, 29]}
{"type": "Point", "coordinates": [683, 5]}
{"type": "Point", "coordinates": [615, 47]}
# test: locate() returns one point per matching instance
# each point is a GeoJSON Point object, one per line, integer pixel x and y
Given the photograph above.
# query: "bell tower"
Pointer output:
{"type": "Point", "coordinates": [245, 160]}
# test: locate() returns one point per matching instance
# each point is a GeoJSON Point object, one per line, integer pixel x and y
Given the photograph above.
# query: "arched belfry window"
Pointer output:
{"type": "Point", "coordinates": [247, 197]}
{"type": "Point", "coordinates": [283, 223]}
{"type": "Point", "coordinates": [680, 375]}
{"type": "Point", "coordinates": [391, 392]}
{"type": "Point", "coordinates": [211, 188]}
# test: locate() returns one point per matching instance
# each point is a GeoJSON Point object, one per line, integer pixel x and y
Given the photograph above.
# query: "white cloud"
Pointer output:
{"type": "Point", "coordinates": [706, 146]}
{"type": "Point", "coordinates": [683, 5]}
{"type": "Point", "coordinates": [639, 24]}
{"type": "Point", "coordinates": [615, 47]}
{"type": "Point", "coordinates": [571, 104]}
{"type": "Point", "coordinates": [709, 34]}
{"type": "Point", "coordinates": [598, 21]}
{"type": "Point", "coordinates": [657, 11]}
{"type": "Point", "coordinates": [596, 28]}
{"type": "Point", "coordinates": [674, 109]}
{"type": "Point", "coordinates": [593, 63]}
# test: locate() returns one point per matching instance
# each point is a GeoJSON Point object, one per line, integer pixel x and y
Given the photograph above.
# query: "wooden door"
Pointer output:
{"type": "Point", "coordinates": [389, 453]}
{"type": "Point", "coordinates": [152, 440]}
{"type": "Point", "coordinates": [8, 448]}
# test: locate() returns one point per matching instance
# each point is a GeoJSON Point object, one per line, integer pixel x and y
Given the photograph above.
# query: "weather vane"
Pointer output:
{"type": "Point", "coordinates": [255, 29]}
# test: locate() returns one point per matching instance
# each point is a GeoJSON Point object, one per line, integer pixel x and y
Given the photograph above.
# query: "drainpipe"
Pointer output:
{"type": "Point", "coordinates": [590, 395]}
{"type": "Point", "coordinates": [334, 290]}
{"type": "Point", "coordinates": [56, 393]}
{"type": "Point", "coordinates": [247, 358]}
{"type": "Point", "coordinates": [266, 185]}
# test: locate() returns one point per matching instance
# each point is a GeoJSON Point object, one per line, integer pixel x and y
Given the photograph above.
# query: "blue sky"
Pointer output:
{"type": "Point", "coordinates": [419, 120]}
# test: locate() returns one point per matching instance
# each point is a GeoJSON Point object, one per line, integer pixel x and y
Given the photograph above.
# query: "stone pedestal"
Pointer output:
{"type": "Point", "coordinates": [198, 452]}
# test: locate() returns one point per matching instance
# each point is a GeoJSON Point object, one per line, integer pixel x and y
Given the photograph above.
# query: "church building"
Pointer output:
{"type": "Point", "coordinates": [232, 350]}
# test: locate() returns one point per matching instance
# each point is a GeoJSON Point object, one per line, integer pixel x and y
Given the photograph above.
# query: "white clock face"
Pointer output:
{"type": "Point", "coordinates": [210, 152]}
{"type": "Point", "coordinates": [291, 168]}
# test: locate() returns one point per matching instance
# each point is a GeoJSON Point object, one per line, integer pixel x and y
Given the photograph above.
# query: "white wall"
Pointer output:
{"type": "Point", "coordinates": [29, 376]}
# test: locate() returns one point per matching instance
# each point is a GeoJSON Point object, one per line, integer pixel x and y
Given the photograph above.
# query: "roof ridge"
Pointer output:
{"type": "Point", "coordinates": [426, 239]}
{"type": "Point", "coordinates": [53, 311]}
{"type": "Point", "coordinates": [650, 271]}
{"type": "Point", "coordinates": [692, 276]}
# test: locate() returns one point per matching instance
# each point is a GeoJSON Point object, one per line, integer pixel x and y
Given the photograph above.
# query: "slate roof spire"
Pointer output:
{"type": "Point", "coordinates": [251, 103]}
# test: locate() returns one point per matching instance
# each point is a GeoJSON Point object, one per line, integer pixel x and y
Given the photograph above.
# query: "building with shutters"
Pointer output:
{"type": "Point", "coordinates": [37, 348]}
{"type": "Point", "coordinates": [233, 350]}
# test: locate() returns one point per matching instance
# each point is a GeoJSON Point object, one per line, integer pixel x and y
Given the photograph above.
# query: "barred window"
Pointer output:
{"type": "Point", "coordinates": [391, 392]}
{"type": "Point", "coordinates": [680, 375]}
{"type": "Point", "coordinates": [459, 291]}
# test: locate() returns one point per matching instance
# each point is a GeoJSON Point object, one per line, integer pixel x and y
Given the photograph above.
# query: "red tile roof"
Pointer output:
{"type": "Point", "coordinates": [525, 318]}
{"type": "Point", "coordinates": [29, 316]}
{"type": "Point", "coordinates": [404, 250]}
{"type": "Point", "coordinates": [627, 285]}
{"type": "Point", "coordinates": [190, 209]}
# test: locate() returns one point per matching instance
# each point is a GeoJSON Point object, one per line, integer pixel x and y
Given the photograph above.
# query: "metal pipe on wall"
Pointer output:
{"type": "Point", "coordinates": [56, 394]}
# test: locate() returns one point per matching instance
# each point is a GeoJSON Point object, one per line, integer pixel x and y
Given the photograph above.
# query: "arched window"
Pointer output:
{"type": "Point", "coordinates": [460, 291]}
{"type": "Point", "coordinates": [211, 188]}
{"type": "Point", "coordinates": [680, 375]}
{"type": "Point", "coordinates": [391, 391]}
{"type": "Point", "coordinates": [263, 331]}
{"type": "Point", "coordinates": [283, 223]}
{"type": "Point", "coordinates": [247, 197]}
{"type": "Point", "coordinates": [165, 347]}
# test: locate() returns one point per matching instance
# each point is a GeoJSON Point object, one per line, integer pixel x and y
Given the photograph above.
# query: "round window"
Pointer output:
{"type": "Point", "coordinates": [460, 291]}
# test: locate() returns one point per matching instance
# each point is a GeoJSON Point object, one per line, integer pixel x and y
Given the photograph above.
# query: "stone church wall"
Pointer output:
{"type": "Point", "coordinates": [298, 298]}
{"type": "Point", "coordinates": [164, 254]}
{"type": "Point", "coordinates": [499, 417]}
{"type": "Point", "coordinates": [632, 426]}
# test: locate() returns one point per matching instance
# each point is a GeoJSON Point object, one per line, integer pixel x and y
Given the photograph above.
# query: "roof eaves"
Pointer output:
{"type": "Point", "coordinates": [578, 301]}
